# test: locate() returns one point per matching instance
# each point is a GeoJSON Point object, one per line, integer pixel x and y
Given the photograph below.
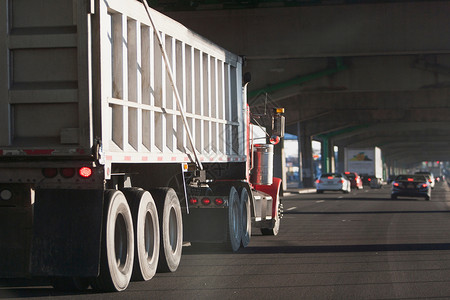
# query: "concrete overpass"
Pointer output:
{"type": "Point", "coordinates": [350, 73]}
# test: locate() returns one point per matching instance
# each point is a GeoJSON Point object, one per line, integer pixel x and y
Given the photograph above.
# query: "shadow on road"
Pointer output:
{"type": "Point", "coordinates": [346, 198]}
{"type": "Point", "coordinates": [206, 248]}
{"type": "Point", "coordinates": [24, 288]}
{"type": "Point", "coordinates": [345, 248]}
{"type": "Point", "coordinates": [366, 212]}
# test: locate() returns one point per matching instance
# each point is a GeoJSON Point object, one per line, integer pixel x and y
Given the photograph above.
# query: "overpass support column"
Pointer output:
{"type": "Point", "coordinates": [328, 161]}
{"type": "Point", "coordinates": [300, 154]}
{"type": "Point", "coordinates": [332, 158]}
{"type": "Point", "coordinates": [341, 160]}
{"type": "Point", "coordinates": [306, 171]}
{"type": "Point", "coordinates": [390, 168]}
{"type": "Point", "coordinates": [279, 164]}
{"type": "Point", "coordinates": [324, 155]}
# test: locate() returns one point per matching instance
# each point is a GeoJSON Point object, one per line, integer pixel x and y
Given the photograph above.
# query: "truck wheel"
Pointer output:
{"type": "Point", "coordinates": [146, 233]}
{"type": "Point", "coordinates": [234, 234]}
{"type": "Point", "coordinates": [171, 229]}
{"type": "Point", "coordinates": [276, 227]}
{"type": "Point", "coordinates": [246, 218]}
{"type": "Point", "coordinates": [117, 255]}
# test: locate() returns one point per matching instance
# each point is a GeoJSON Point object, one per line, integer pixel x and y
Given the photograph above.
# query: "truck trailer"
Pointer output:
{"type": "Point", "coordinates": [367, 162]}
{"type": "Point", "coordinates": [123, 135]}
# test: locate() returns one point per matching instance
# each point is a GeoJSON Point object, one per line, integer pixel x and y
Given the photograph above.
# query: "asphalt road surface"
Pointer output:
{"type": "Point", "coordinates": [330, 246]}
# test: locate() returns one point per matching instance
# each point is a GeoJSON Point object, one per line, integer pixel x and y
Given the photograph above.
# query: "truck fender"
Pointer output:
{"type": "Point", "coordinates": [274, 191]}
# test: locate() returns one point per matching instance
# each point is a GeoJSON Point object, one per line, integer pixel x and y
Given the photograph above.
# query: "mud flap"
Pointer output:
{"type": "Point", "coordinates": [205, 225]}
{"type": "Point", "coordinates": [66, 232]}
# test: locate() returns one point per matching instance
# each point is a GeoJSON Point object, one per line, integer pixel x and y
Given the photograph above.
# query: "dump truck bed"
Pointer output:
{"type": "Point", "coordinates": [74, 74]}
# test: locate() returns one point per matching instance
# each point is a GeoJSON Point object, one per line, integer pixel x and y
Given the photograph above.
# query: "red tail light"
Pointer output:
{"type": "Point", "coordinates": [342, 181]}
{"type": "Point", "coordinates": [193, 201]}
{"type": "Point", "coordinates": [370, 179]}
{"type": "Point", "coordinates": [318, 181]}
{"type": "Point", "coordinates": [396, 184]}
{"type": "Point", "coordinates": [67, 172]}
{"type": "Point", "coordinates": [429, 180]}
{"type": "Point", "coordinates": [85, 172]}
{"type": "Point", "coordinates": [424, 185]}
{"type": "Point", "coordinates": [49, 172]}
{"type": "Point", "coordinates": [330, 177]}
{"type": "Point", "coordinates": [218, 201]}
{"type": "Point", "coordinates": [410, 179]}
{"type": "Point", "coordinates": [206, 201]}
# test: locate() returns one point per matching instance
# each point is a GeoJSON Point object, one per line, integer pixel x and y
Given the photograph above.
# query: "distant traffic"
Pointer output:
{"type": "Point", "coordinates": [417, 185]}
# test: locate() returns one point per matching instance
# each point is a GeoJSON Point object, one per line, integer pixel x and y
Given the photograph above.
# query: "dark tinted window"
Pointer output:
{"type": "Point", "coordinates": [409, 177]}
{"type": "Point", "coordinates": [326, 175]}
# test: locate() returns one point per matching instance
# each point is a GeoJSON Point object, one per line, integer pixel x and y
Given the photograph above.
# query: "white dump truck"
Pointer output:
{"type": "Point", "coordinates": [123, 134]}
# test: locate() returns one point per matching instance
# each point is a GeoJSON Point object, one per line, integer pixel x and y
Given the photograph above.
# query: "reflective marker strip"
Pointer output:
{"type": "Point", "coordinates": [170, 158]}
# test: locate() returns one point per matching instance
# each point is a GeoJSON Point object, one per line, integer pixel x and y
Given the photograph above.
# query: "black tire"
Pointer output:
{"type": "Point", "coordinates": [70, 284]}
{"type": "Point", "coordinates": [276, 228]}
{"type": "Point", "coordinates": [171, 229]}
{"type": "Point", "coordinates": [246, 218]}
{"type": "Point", "coordinates": [319, 192]}
{"type": "Point", "coordinates": [146, 233]}
{"type": "Point", "coordinates": [117, 256]}
{"type": "Point", "coordinates": [393, 197]}
{"type": "Point", "coordinates": [428, 198]}
{"type": "Point", "coordinates": [234, 228]}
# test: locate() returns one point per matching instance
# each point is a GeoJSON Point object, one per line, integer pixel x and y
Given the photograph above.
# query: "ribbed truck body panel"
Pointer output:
{"type": "Point", "coordinates": [74, 73]}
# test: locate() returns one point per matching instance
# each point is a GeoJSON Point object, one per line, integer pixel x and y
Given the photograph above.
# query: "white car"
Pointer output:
{"type": "Point", "coordinates": [333, 182]}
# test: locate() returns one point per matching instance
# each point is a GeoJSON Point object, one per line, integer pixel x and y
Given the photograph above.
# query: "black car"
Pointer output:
{"type": "Point", "coordinates": [411, 186]}
{"type": "Point", "coordinates": [391, 178]}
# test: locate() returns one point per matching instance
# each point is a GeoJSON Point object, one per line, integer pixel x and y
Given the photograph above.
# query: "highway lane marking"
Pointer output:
{"type": "Point", "coordinates": [320, 201]}
{"type": "Point", "coordinates": [291, 208]}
